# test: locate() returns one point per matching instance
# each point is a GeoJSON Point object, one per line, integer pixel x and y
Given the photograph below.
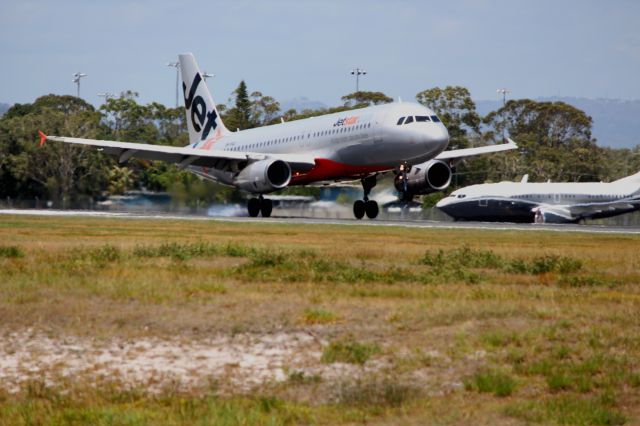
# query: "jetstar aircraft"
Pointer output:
{"type": "Point", "coordinates": [360, 144]}
{"type": "Point", "coordinates": [556, 202]}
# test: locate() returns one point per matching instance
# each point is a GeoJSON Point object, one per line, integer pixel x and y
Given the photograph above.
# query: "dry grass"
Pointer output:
{"type": "Point", "coordinates": [538, 326]}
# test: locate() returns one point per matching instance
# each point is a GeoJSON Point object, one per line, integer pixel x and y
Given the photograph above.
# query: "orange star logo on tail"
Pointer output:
{"type": "Point", "coordinates": [209, 142]}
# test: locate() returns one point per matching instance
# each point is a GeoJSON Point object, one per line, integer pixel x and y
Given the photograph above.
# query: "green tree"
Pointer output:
{"type": "Point", "coordinates": [361, 99]}
{"type": "Point", "coordinates": [171, 124]}
{"type": "Point", "coordinates": [62, 172]}
{"type": "Point", "coordinates": [120, 179]}
{"type": "Point", "coordinates": [130, 121]}
{"type": "Point", "coordinates": [239, 117]}
{"type": "Point", "coordinates": [554, 138]}
{"type": "Point", "coordinates": [456, 109]}
{"type": "Point", "coordinates": [264, 109]}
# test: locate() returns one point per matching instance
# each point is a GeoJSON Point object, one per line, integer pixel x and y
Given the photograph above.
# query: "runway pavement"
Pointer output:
{"type": "Point", "coordinates": [596, 229]}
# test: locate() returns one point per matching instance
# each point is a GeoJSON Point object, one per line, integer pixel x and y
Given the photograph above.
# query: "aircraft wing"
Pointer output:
{"type": "Point", "coordinates": [591, 209]}
{"type": "Point", "coordinates": [573, 212]}
{"type": "Point", "coordinates": [454, 156]}
{"type": "Point", "coordinates": [182, 156]}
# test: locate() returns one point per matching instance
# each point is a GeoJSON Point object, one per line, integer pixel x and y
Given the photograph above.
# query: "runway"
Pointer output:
{"type": "Point", "coordinates": [423, 224]}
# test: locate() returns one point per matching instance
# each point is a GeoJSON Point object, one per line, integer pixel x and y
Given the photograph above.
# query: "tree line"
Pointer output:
{"type": "Point", "coordinates": [554, 138]}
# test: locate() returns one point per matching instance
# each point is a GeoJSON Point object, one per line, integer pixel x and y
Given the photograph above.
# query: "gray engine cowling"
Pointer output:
{"type": "Point", "coordinates": [542, 215]}
{"type": "Point", "coordinates": [264, 176]}
{"type": "Point", "coordinates": [425, 178]}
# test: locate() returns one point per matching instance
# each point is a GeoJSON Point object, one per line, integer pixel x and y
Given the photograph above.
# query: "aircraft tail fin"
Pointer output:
{"type": "Point", "coordinates": [203, 120]}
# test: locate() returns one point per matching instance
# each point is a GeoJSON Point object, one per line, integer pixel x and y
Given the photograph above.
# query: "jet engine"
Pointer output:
{"type": "Point", "coordinates": [264, 176]}
{"type": "Point", "coordinates": [549, 215]}
{"type": "Point", "coordinates": [425, 178]}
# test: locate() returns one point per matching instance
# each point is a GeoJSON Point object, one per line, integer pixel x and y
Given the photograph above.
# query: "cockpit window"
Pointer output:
{"type": "Point", "coordinates": [400, 121]}
{"type": "Point", "coordinates": [435, 118]}
{"type": "Point", "coordinates": [409, 120]}
{"type": "Point", "coordinates": [420, 118]}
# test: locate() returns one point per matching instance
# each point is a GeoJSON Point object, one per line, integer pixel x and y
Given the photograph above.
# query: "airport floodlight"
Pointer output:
{"type": "Point", "coordinates": [504, 92]}
{"type": "Point", "coordinates": [206, 75]}
{"type": "Point", "coordinates": [358, 72]}
{"type": "Point", "coordinates": [106, 96]}
{"type": "Point", "coordinates": [176, 65]}
{"type": "Point", "coordinates": [76, 79]}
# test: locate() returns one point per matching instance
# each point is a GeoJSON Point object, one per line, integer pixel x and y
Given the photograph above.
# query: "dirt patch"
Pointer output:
{"type": "Point", "coordinates": [235, 364]}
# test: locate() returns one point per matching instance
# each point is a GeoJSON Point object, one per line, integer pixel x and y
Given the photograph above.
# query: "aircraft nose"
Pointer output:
{"type": "Point", "coordinates": [436, 137]}
{"type": "Point", "coordinates": [443, 202]}
{"type": "Point", "coordinates": [441, 137]}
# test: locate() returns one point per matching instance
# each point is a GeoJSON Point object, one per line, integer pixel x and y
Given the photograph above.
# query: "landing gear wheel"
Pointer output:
{"type": "Point", "coordinates": [371, 208]}
{"type": "Point", "coordinates": [266, 207]}
{"type": "Point", "coordinates": [359, 209]}
{"type": "Point", "coordinates": [253, 206]}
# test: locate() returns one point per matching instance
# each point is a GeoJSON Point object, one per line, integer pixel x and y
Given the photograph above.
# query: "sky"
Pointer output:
{"type": "Point", "coordinates": [304, 48]}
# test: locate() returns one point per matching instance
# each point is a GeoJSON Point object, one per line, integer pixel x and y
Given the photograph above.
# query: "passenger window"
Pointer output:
{"type": "Point", "coordinates": [435, 118]}
{"type": "Point", "coordinates": [409, 120]}
{"type": "Point", "coordinates": [400, 121]}
{"type": "Point", "coordinates": [420, 118]}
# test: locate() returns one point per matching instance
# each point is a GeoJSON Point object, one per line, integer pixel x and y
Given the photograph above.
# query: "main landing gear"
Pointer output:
{"type": "Point", "coordinates": [259, 205]}
{"type": "Point", "coordinates": [366, 206]}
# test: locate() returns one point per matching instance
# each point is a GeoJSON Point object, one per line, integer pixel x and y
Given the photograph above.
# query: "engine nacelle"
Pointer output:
{"type": "Point", "coordinates": [425, 178]}
{"type": "Point", "coordinates": [264, 176]}
{"type": "Point", "coordinates": [543, 215]}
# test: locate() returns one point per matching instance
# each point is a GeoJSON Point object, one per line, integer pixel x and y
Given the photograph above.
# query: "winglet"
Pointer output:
{"type": "Point", "coordinates": [43, 137]}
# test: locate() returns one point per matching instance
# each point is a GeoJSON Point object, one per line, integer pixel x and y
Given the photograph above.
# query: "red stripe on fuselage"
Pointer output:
{"type": "Point", "coordinates": [330, 170]}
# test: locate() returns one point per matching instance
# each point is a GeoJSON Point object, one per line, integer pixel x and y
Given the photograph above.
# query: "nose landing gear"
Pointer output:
{"type": "Point", "coordinates": [255, 206]}
{"type": "Point", "coordinates": [366, 206]}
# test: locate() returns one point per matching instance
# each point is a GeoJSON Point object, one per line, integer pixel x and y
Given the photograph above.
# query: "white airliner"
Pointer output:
{"type": "Point", "coordinates": [359, 144]}
{"type": "Point", "coordinates": [543, 202]}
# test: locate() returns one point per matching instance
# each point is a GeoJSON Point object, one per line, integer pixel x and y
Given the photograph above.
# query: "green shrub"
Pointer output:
{"type": "Point", "coordinates": [349, 351]}
{"type": "Point", "coordinates": [300, 378]}
{"type": "Point", "coordinates": [584, 281]}
{"type": "Point", "coordinates": [462, 256]}
{"type": "Point", "coordinates": [178, 251]}
{"type": "Point", "coordinates": [567, 411]}
{"type": "Point", "coordinates": [377, 393]}
{"type": "Point", "coordinates": [318, 316]}
{"type": "Point", "coordinates": [11, 251]}
{"type": "Point", "coordinates": [559, 381]}
{"type": "Point", "coordinates": [266, 258]}
{"type": "Point", "coordinates": [492, 381]}
{"type": "Point", "coordinates": [106, 254]}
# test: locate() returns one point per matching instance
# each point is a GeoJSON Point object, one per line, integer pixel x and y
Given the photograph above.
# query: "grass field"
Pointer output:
{"type": "Point", "coordinates": [134, 322]}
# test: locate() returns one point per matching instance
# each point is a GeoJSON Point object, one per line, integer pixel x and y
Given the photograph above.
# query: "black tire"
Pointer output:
{"type": "Point", "coordinates": [359, 209]}
{"type": "Point", "coordinates": [253, 206]}
{"type": "Point", "coordinates": [266, 207]}
{"type": "Point", "coordinates": [371, 208]}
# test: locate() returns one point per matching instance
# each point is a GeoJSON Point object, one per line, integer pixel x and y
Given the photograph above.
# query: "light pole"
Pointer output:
{"type": "Point", "coordinates": [358, 72]}
{"type": "Point", "coordinates": [176, 65]}
{"type": "Point", "coordinates": [206, 75]}
{"type": "Point", "coordinates": [106, 96]}
{"type": "Point", "coordinates": [76, 79]}
{"type": "Point", "coordinates": [504, 92]}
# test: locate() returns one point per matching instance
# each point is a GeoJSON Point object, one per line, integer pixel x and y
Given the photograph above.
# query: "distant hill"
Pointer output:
{"type": "Point", "coordinates": [4, 108]}
{"type": "Point", "coordinates": [616, 123]}
{"type": "Point", "coordinates": [300, 104]}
